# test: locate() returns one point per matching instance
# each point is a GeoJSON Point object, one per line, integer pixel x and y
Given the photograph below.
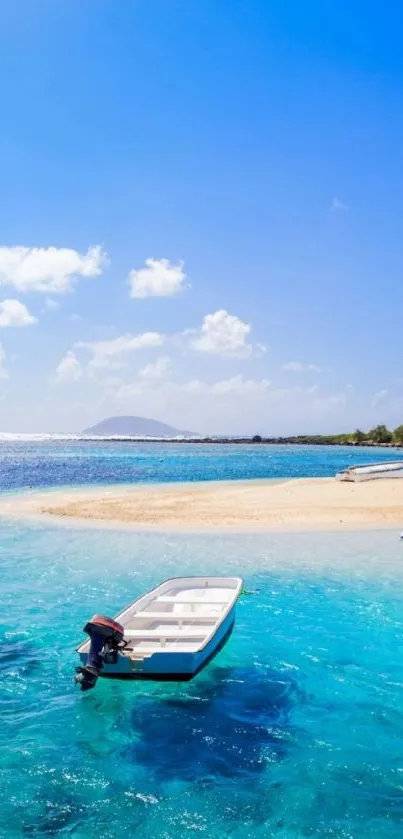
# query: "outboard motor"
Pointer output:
{"type": "Point", "coordinates": [106, 638]}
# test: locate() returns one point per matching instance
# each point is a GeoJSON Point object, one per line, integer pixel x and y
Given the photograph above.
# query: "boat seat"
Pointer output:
{"type": "Point", "coordinates": [171, 646]}
{"type": "Point", "coordinates": [176, 616]}
{"type": "Point", "coordinates": [199, 601]}
{"type": "Point", "coordinates": [171, 632]}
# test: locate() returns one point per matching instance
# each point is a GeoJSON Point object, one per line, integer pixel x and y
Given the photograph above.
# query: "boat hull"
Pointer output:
{"type": "Point", "coordinates": [169, 666]}
{"type": "Point", "coordinates": [371, 472]}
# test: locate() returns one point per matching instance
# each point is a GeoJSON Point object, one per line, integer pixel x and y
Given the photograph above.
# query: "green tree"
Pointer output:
{"type": "Point", "coordinates": [398, 434]}
{"type": "Point", "coordinates": [359, 436]}
{"type": "Point", "coordinates": [380, 434]}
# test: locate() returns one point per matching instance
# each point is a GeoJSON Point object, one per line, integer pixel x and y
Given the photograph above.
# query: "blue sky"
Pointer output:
{"type": "Point", "coordinates": [201, 214]}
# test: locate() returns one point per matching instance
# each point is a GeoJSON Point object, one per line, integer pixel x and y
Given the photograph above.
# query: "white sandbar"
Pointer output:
{"type": "Point", "coordinates": [306, 503]}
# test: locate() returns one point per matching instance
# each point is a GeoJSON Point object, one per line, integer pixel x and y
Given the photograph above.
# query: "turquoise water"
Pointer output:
{"type": "Point", "coordinates": [295, 730]}
{"type": "Point", "coordinates": [61, 463]}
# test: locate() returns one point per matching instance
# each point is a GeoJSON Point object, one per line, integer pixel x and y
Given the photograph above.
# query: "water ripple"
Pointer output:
{"type": "Point", "coordinates": [294, 731]}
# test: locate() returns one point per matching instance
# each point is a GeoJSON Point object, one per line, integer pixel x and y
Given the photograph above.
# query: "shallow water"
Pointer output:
{"type": "Point", "coordinates": [61, 463]}
{"type": "Point", "coordinates": [295, 730]}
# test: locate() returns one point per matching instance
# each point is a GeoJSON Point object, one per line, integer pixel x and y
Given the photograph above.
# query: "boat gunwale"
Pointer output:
{"type": "Point", "coordinates": [394, 464]}
{"type": "Point", "coordinates": [231, 605]}
{"type": "Point", "coordinates": [170, 676]}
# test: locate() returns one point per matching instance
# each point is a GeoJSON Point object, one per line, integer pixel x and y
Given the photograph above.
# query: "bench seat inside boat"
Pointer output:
{"type": "Point", "coordinates": [168, 632]}
{"type": "Point", "coordinates": [193, 601]}
{"type": "Point", "coordinates": [177, 616]}
{"type": "Point", "coordinates": [172, 645]}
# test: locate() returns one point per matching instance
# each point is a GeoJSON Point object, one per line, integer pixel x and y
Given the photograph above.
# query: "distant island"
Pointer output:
{"type": "Point", "coordinates": [135, 427]}
{"type": "Point", "coordinates": [126, 429]}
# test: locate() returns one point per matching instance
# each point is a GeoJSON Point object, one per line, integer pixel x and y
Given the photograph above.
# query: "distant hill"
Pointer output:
{"type": "Point", "coordinates": [133, 427]}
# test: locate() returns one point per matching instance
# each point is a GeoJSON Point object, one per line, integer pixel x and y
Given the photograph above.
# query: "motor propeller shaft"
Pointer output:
{"type": "Point", "coordinates": [106, 638]}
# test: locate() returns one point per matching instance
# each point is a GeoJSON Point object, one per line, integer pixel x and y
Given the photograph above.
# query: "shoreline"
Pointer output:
{"type": "Point", "coordinates": [262, 505]}
{"type": "Point", "coordinates": [300, 440]}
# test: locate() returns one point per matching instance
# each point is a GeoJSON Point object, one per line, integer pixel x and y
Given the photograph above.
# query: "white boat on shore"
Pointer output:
{"type": "Point", "coordinates": [371, 471]}
{"type": "Point", "coordinates": [170, 633]}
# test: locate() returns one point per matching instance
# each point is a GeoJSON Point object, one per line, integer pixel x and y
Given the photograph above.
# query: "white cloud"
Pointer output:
{"type": "Point", "coordinates": [51, 304]}
{"type": "Point", "coordinates": [235, 386]}
{"type": "Point", "coordinates": [158, 369]}
{"type": "Point", "coordinates": [235, 405]}
{"type": "Point", "coordinates": [48, 269]}
{"type": "Point", "coordinates": [310, 400]}
{"type": "Point", "coordinates": [337, 206]}
{"type": "Point", "coordinates": [108, 354]}
{"type": "Point", "coordinates": [194, 392]}
{"type": "Point", "coordinates": [223, 334]}
{"type": "Point", "coordinates": [379, 397]}
{"type": "Point", "coordinates": [282, 393]}
{"type": "Point", "coordinates": [160, 278]}
{"type": "Point", "coordinates": [125, 392]}
{"type": "Point", "coordinates": [3, 370]}
{"type": "Point", "coordinates": [238, 385]}
{"type": "Point", "coordinates": [327, 404]}
{"type": "Point", "coordinates": [299, 367]}
{"type": "Point", "coordinates": [14, 313]}
{"type": "Point", "coordinates": [69, 369]}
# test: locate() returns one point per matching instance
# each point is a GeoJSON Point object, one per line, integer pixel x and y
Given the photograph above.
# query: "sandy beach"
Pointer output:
{"type": "Point", "coordinates": [311, 503]}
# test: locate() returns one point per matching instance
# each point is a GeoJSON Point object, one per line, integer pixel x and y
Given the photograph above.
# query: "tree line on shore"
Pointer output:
{"type": "Point", "coordinates": [378, 436]}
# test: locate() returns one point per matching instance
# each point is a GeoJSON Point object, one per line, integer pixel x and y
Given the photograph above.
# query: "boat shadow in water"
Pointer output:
{"type": "Point", "coordinates": [232, 724]}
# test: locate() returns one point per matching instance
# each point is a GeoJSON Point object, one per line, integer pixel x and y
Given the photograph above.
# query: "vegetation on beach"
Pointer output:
{"type": "Point", "coordinates": [378, 436]}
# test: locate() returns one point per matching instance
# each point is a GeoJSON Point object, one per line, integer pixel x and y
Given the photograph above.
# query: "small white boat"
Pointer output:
{"type": "Point", "coordinates": [170, 633]}
{"type": "Point", "coordinates": [370, 471]}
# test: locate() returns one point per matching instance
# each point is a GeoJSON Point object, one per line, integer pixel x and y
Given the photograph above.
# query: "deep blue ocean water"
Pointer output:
{"type": "Point", "coordinates": [295, 730]}
{"type": "Point", "coordinates": [64, 462]}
